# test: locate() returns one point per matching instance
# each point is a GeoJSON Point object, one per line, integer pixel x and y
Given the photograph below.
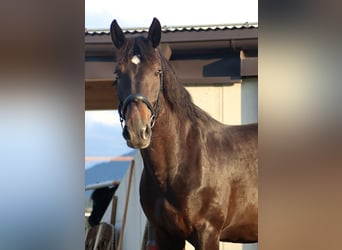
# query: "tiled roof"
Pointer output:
{"type": "Point", "coordinates": [178, 28]}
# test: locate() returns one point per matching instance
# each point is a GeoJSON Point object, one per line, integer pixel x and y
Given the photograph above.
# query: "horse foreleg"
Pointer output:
{"type": "Point", "coordinates": [209, 244]}
{"type": "Point", "coordinates": [207, 239]}
{"type": "Point", "coordinates": [166, 241]}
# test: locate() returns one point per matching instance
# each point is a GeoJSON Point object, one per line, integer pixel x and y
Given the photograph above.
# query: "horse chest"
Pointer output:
{"type": "Point", "coordinates": [159, 210]}
{"type": "Point", "coordinates": [170, 217]}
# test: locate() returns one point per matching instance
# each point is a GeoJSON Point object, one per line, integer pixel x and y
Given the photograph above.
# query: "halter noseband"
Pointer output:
{"type": "Point", "coordinates": [139, 97]}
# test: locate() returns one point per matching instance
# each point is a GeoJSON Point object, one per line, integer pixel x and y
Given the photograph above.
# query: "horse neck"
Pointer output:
{"type": "Point", "coordinates": [168, 142]}
{"type": "Point", "coordinates": [176, 109]}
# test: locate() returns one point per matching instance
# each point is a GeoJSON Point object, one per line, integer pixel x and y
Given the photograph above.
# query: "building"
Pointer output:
{"type": "Point", "coordinates": [215, 62]}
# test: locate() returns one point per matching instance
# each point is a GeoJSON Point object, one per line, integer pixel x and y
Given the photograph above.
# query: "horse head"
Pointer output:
{"type": "Point", "coordinates": [139, 82]}
{"type": "Point", "coordinates": [101, 198]}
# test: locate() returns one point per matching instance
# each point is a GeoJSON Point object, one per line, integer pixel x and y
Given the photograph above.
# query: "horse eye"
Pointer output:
{"type": "Point", "coordinates": [117, 73]}
{"type": "Point", "coordinates": [116, 81]}
{"type": "Point", "coordinates": [117, 77]}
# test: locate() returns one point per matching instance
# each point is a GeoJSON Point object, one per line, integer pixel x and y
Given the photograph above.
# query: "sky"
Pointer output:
{"type": "Point", "coordinates": [103, 135]}
{"type": "Point", "coordinates": [139, 13]}
{"type": "Point", "coordinates": [103, 130]}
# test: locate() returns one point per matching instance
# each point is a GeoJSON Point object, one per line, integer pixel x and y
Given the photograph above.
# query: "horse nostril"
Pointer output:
{"type": "Point", "coordinates": [144, 133]}
{"type": "Point", "coordinates": [125, 133]}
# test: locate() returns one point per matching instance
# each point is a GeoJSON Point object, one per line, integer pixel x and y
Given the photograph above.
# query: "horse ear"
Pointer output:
{"type": "Point", "coordinates": [154, 32]}
{"type": "Point", "coordinates": [117, 35]}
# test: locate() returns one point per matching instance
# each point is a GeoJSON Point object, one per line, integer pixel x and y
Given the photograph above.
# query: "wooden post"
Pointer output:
{"type": "Point", "coordinates": [114, 205]}
{"type": "Point", "coordinates": [113, 219]}
{"type": "Point", "coordinates": [126, 207]}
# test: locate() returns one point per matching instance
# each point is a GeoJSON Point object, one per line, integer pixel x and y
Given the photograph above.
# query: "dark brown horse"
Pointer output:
{"type": "Point", "coordinates": [200, 177]}
{"type": "Point", "coordinates": [101, 198]}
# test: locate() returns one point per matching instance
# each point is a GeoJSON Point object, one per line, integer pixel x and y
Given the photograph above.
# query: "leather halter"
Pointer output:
{"type": "Point", "coordinates": [139, 97]}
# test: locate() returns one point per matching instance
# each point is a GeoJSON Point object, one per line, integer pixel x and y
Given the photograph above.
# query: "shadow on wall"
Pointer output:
{"type": "Point", "coordinates": [253, 246]}
{"type": "Point", "coordinates": [228, 66]}
{"type": "Point", "coordinates": [249, 101]}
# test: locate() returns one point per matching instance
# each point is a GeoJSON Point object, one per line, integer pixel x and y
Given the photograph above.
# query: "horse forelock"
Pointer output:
{"type": "Point", "coordinates": [136, 46]}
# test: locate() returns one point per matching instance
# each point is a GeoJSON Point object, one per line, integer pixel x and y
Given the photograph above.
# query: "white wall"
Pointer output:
{"type": "Point", "coordinates": [221, 102]}
{"type": "Point", "coordinates": [233, 104]}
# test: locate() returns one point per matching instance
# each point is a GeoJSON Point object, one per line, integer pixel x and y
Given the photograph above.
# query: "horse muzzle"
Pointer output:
{"type": "Point", "coordinates": [139, 115]}
{"type": "Point", "coordinates": [138, 136]}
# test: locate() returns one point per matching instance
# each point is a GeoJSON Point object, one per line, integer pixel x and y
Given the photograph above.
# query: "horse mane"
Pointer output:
{"type": "Point", "coordinates": [178, 98]}
{"type": "Point", "coordinates": [103, 192]}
